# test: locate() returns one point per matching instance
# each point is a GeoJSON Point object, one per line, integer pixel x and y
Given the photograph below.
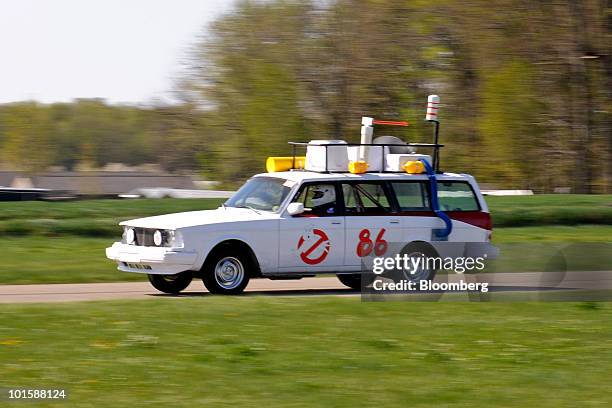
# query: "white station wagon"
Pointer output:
{"type": "Point", "coordinates": [319, 220]}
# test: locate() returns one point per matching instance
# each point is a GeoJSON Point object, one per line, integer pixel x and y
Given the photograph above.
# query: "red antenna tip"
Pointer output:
{"type": "Point", "coordinates": [389, 123]}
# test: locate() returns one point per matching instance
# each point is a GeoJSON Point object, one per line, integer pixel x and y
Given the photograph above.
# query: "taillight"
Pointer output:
{"type": "Point", "coordinates": [489, 226]}
{"type": "Point", "coordinates": [487, 221]}
{"type": "Point", "coordinates": [478, 219]}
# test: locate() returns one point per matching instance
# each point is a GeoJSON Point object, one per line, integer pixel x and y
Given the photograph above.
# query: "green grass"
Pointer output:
{"type": "Point", "coordinates": [101, 208]}
{"type": "Point", "coordinates": [550, 209]}
{"type": "Point", "coordinates": [48, 242]}
{"type": "Point", "coordinates": [310, 351]}
{"type": "Point", "coordinates": [100, 217]}
{"type": "Point", "coordinates": [70, 259]}
{"type": "Point", "coordinates": [94, 218]}
{"type": "Point", "coordinates": [549, 233]}
{"type": "Point", "coordinates": [538, 248]}
{"type": "Point", "coordinates": [58, 260]}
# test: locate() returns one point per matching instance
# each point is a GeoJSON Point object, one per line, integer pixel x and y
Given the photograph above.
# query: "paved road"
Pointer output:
{"type": "Point", "coordinates": [525, 281]}
{"type": "Point", "coordinates": [143, 290]}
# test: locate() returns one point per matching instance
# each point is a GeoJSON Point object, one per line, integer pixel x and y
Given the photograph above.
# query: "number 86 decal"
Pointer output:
{"type": "Point", "coordinates": [366, 246]}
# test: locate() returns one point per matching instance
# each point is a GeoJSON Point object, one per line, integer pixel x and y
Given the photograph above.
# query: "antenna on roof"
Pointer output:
{"type": "Point", "coordinates": [431, 115]}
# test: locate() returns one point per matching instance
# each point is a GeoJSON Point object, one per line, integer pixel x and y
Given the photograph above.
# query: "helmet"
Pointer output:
{"type": "Point", "coordinates": [323, 194]}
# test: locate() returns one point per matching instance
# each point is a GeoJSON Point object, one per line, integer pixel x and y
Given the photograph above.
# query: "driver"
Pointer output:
{"type": "Point", "coordinates": [323, 198]}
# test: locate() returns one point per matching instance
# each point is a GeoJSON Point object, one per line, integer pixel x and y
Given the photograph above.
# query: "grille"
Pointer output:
{"type": "Point", "coordinates": [144, 236]}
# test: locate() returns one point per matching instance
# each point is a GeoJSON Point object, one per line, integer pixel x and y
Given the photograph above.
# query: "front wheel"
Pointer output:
{"type": "Point", "coordinates": [172, 284]}
{"type": "Point", "coordinates": [226, 272]}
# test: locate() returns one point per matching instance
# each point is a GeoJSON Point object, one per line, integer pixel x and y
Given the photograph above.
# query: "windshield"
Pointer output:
{"type": "Point", "coordinates": [260, 193]}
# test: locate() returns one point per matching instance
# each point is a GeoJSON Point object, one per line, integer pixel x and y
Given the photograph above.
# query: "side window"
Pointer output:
{"type": "Point", "coordinates": [411, 196]}
{"type": "Point", "coordinates": [318, 199]}
{"type": "Point", "coordinates": [365, 198]}
{"type": "Point", "coordinates": [351, 203]}
{"type": "Point", "coordinates": [457, 196]}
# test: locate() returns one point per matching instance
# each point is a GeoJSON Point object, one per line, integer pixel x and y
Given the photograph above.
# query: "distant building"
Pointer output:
{"type": "Point", "coordinates": [8, 177]}
{"type": "Point", "coordinates": [114, 180]}
{"type": "Point", "coordinates": [108, 182]}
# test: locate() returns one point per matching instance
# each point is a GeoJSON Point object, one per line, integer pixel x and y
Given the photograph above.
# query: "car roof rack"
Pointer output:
{"type": "Point", "coordinates": [295, 145]}
{"type": "Point", "coordinates": [367, 132]}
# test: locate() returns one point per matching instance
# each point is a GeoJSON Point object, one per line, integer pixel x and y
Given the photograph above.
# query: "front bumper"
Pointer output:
{"type": "Point", "coordinates": [151, 260]}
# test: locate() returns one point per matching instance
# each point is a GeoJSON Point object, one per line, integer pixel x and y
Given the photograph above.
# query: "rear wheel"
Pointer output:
{"type": "Point", "coordinates": [172, 284]}
{"type": "Point", "coordinates": [226, 272]}
{"type": "Point", "coordinates": [425, 270]}
{"type": "Point", "coordinates": [356, 280]}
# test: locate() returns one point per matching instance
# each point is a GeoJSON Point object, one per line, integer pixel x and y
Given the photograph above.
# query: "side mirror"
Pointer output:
{"type": "Point", "coordinates": [295, 208]}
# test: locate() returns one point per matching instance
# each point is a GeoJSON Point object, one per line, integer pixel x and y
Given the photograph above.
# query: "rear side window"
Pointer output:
{"type": "Point", "coordinates": [457, 196]}
{"type": "Point", "coordinates": [411, 196]}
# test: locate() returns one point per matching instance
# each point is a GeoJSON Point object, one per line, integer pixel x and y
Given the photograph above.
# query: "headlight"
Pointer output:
{"type": "Point", "coordinates": [152, 237]}
{"type": "Point", "coordinates": [130, 236]}
{"type": "Point", "coordinates": [158, 238]}
{"type": "Point", "coordinates": [174, 239]}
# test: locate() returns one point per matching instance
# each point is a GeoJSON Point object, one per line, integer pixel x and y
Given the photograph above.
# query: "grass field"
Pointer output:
{"type": "Point", "coordinates": [46, 242]}
{"type": "Point", "coordinates": [550, 209]}
{"type": "Point", "coordinates": [300, 351]}
{"type": "Point", "coordinates": [70, 259]}
{"type": "Point", "coordinates": [88, 209]}
{"type": "Point", "coordinates": [94, 218]}
{"type": "Point", "coordinates": [100, 217]}
{"type": "Point", "coordinates": [310, 351]}
{"type": "Point", "coordinates": [58, 260]}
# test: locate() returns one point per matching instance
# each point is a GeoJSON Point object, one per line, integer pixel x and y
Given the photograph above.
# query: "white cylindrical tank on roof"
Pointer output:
{"type": "Point", "coordinates": [367, 131]}
{"type": "Point", "coordinates": [374, 156]}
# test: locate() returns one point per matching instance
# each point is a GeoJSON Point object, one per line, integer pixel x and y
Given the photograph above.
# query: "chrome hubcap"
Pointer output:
{"type": "Point", "coordinates": [229, 272]}
{"type": "Point", "coordinates": [421, 272]}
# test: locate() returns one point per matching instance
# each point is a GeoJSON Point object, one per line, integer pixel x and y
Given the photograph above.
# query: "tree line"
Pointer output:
{"type": "Point", "coordinates": [525, 89]}
{"type": "Point", "coordinates": [89, 134]}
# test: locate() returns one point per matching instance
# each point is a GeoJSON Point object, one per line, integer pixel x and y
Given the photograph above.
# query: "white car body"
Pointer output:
{"type": "Point", "coordinates": [279, 241]}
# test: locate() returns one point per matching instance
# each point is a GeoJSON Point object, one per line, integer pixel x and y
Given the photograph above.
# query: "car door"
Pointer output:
{"type": "Point", "coordinates": [417, 218]}
{"type": "Point", "coordinates": [372, 229]}
{"type": "Point", "coordinates": [313, 240]}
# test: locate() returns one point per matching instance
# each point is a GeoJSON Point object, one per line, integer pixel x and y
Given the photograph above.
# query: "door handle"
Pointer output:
{"type": "Point", "coordinates": [394, 221]}
{"type": "Point", "coordinates": [336, 223]}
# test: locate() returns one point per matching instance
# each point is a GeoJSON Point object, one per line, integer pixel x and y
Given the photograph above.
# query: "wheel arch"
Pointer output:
{"type": "Point", "coordinates": [238, 244]}
{"type": "Point", "coordinates": [424, 243]}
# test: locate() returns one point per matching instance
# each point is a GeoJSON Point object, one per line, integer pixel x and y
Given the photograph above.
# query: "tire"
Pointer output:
{"type": "Point", "coordinates": [416, 249]}
{"type": "Point", "coordinates": [226, 271]}
{"type": "Point", "coordinates": [172, 284]}
{"type": "Point", "coordinates": [354, 280]}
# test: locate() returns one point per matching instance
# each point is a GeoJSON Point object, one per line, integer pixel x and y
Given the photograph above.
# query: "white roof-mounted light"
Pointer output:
{"type": "Point", "coordinates": [433, 102]}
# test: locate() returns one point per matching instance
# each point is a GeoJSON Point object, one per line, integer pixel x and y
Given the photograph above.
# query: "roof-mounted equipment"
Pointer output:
{"type": "Point", "coordinates": [384, 154]}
